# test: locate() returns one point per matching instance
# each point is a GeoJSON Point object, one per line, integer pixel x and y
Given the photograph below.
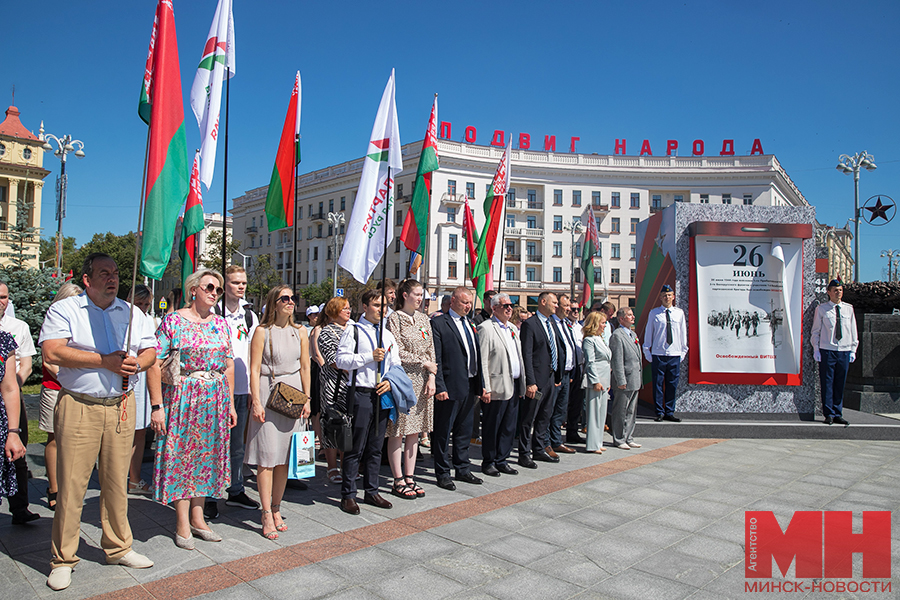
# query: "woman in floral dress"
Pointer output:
{"type": "Point", "coordinates": [9, 397]}
{"type": "Point", "coordinates": [412, 329]}
{"type": "Point", "coordinates": [192, 453]}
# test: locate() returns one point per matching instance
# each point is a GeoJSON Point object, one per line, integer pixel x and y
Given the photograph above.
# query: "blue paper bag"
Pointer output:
{"type": "Point", "coordinates": [302, 456]}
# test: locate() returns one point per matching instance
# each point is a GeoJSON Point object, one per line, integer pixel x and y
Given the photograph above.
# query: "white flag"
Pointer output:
{"type": "Point", "coordinates": [206, 92]}
{"type": "Point", "coordinates": [371, 219]}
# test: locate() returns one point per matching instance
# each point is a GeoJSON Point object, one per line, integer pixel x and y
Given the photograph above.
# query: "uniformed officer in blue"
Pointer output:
{"type": "Point", "coordinates": [834, 340]}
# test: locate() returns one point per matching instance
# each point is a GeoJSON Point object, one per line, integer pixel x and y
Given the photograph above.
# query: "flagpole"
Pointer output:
{"type": "Point", "coordinates": [137, 245]}
{"type": "Point", "coordinates": [425, 282]}
{"type": "Point", "coordinates": [225, 180]}
{"type": "Point", "coordinates": [502, 243]}
{"type": "Point", "coordinates": [294, 228]}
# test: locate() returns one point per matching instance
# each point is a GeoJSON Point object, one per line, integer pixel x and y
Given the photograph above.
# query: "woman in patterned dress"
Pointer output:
{"type": "Point", "coordinates": [9, 397]}
{"type": "Point", "coordinates": [279, 352]}
{"type": "Point", "coordinates": [192, 451]}
{"type": "Point", "coordinates": [412, 329]}
{"type": "Point", "coordinates": [333, 319]}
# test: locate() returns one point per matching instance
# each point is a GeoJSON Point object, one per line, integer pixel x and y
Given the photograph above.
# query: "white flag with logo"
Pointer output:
{"type": "Point", "coordinates": [206, 92]}
{"type": "Point", "coordinates": [371, 222]}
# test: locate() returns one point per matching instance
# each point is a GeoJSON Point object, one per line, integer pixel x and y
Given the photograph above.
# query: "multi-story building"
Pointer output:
{"type": "Point", "coordinates": [22, 176]}
{"type": "Point", "coordinates": [549, 194]}
{"type": "Point", "coordinates": [838, 242]}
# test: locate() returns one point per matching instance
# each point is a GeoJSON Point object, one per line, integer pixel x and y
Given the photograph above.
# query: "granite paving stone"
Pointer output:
{"type": "Point", "coordinates": [638, 585]}
{"type": "Point", "coordinates": [530, 584]}
{"type": "Point", "coordinates": [310, 581]}
{"type": "Point", "coordinates": [405, 579]}
{"type": "Point", "coordinates": [519, 549]}
{"type": "Point", "coordinates": [471, 567]}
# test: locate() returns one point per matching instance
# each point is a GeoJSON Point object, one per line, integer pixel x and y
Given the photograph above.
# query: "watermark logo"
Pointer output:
{"type": "Point", "coordinates": [820, 545]}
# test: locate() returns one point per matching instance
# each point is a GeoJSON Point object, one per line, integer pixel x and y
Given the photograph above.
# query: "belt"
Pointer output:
{"type": "Point", "coordinates": [207, 375]}
{"type": "Point", "coordinates": [108, 401]}
{"type": "Point", "coordinates": [365, 390]}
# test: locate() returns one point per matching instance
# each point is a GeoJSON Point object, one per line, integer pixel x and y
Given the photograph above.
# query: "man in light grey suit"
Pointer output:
{"type": "Point", "coordinates": [504, 383]}
{"type": "Point", "coordinates": [626, 379]}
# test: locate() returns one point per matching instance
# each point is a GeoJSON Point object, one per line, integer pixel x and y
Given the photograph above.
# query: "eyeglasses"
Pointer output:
{"type": "Point", "coordinates": [287, 299]}
{"type": "Point", "coordinates": [506, 306]}
{"type": "Point", "coordinates": [210, 288]}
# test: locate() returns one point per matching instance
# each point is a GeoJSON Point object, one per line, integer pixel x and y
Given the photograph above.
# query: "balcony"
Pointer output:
{"type": "Point", "coordinates": [317, 216]}
{"type": "Point", "coordinates": [250, 229]}
{"type": "Point", "coordinates": [524, 232]}
{"type": "Point", "coordinates": [535, 258]}
{"type": "Point", "coordinates": [601, 208]}
{"type": "Point", "coordinates": [524, 205]}
{"type": "Point", "coordinates": [453, 198]}
{"type": "Point", "coordinates": [513, 257]}
{"type": "Point", "coordinates": [655, 209]}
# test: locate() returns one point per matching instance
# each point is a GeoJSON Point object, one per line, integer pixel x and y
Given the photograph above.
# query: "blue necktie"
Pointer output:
{"type": "Point", "coordinates": [472, 364]}
{"type": "Point", "coordinates": [554, 357]}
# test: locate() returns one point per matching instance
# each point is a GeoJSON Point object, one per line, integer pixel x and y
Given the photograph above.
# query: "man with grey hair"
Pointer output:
{"type": "Point", "coordinates": [625, 365]}
{"type": "Point", "coordinates": [504, 384]}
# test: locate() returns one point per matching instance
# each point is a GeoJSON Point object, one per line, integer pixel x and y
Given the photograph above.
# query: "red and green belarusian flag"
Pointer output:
{"type": "Point", "coordinates": [162, 109]}
{"type": "Point", "coordinates": [472, 244]}
{"type": "Point", "coordinates": [493, 212]}
{"type": "Point", "coordinates": [283, 186]}
{"type": "Point", "coordinates": [191, 224]}
{"type": "Point", "coordinates": [415, 228]}
{"type": "Point", "coordinates": [588, 250]}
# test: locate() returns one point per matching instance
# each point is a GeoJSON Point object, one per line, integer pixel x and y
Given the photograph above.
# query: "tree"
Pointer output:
{"type": "Point", "coordinates": [21, 235]}
{"type": "Point", "coordinates": [318, 294]}
{"type": "Point", "coordinates": [120, 247]}
{"type": "Point", "coordinates": [48, 249]}
{"type": "Point", "coordinates": [31, 292]}
{"type": "Point", "coordinates": [212, 254]}
{"type": "Point", "coordinates": [261, 278]}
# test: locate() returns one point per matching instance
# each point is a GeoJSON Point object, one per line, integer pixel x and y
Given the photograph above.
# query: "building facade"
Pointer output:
{"type": "Point", "coordinates": [22, 176]}
{"type": "Point", "coordinates": [545, 209]}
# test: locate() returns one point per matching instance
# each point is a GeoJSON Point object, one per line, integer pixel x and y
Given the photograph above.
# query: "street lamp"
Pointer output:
{"type": "Point", "coordinates": [336, 220]}
{"type": "Point", "coordinates": [575, 229]}
{"type": "Point", "coordinates": [851, 164]}
{"type": "Point", "coordinates": [890, 254]}
{"type": "Point", "coordinates": [64, 145]}
{"type": "Point", "coordinates": [244, 258]}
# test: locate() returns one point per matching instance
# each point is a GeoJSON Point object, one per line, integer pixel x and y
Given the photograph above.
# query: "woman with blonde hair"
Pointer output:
{"type": "Point", "coordinates": [596, 379]}
{"type": "Point", "coordinates": [194, 421]}
{"type": "Point", "coordinates": [279, 352]}
{"type": "Point", "coordinates": [49, 391]}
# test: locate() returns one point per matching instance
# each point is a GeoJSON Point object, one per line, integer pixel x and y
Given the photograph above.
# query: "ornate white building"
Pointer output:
{"type": "Point", "coordinates": [549, 191]}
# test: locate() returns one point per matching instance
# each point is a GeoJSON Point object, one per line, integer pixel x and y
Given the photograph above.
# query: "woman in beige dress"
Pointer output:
{"type": "Point", "coordinates": [412, 329]}
{"type": "Point", "coordinates": [279, 352]}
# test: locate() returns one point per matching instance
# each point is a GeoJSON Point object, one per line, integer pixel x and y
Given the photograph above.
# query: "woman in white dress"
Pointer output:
{"type": "Point", "coordinates": [279, 352]}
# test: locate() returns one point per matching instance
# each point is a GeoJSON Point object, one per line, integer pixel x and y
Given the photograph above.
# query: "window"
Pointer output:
{"type": "Point", "coordinates": [532, 199]}
{"type": "Point", "coordinates": [451, 270]}
{"type": "Point", "coordinates": [614, 276]}
{"type": "Point", "coordinates": [656, 201]}
{"type": "Point", "coordinates": [329, 253]}
{"type": "Point", "coordinates": [726, 198]}
{"type": "Point", "coordinates": [315, 253]}
{"type": "Point", "coordinates": [635, 200]}
{"type": "Point", "coordinates": [454, 239]}
{"type": "Point", "coordinates": [299, 212]}
{"type": "Point", "coordinates": [557, 249]}
{"type": "Point", "coordinates": [399, 221]}
{"type": "Point", "coordinates": [397, 271]}
{"type": "Point", "coordinates": [315, 276]}
{"type": "Point", "coordinates": [578, 249]}
{"type": "Point", "coordinates": [532, 222]}
{"type": "Point", "coordinates": [269, 240]}
{"type": "Point", "coordinates": [615, 200]}
{"type": "Point", "coordinates": [309, 232]}
{"type": "Point", "coordinates": [399, 190]}
{"type": "Point", "coordinates": [616, 251]}
{"type": "Point", "coordinates": [330, 230]}
{"type": "Point", "coordinates": [343, 202]}
{"type": "Point", "coordinates": [511, 194]}
{"type": "Point", "coordinates": [510, 220]}
{"type": "Point", "coordinates": [576, 198]}
{"type": "Point", "coordinates": [634, 224]}
{"type": "Point", "coordinates": [679, 198]}
{"type": "Point", "coordinates": [470, 189]}
{"type": "Point", "coordinates": [4, 200]}
{"type": "Point", "coordinates": [531, 248]}
{"type": "Point", "coordinates": [487, 189]}
{"type": "Point", "coordinates": [318, 231]}
{"type": "Point", "coordinates": [614, 226]}
{"type": "Point", "coordinates": [321, 207]}
{"type": "Point", "coordinates": [577, 275]}
{"type": "Point", "coordinates": [510, 247]}
{"type": "Point", "coordinates": [633, 252]}
{"type": "Point", "coordinates": [331, 205]}
{"type": "Point", "coordinates": [252, 240]}
{"type": "Point", "coordinates": [26, 153]}
{"type": "Point", "coordinates": [598, 275]}
{"type": "Point", "coordinates": [557, 197]}
{"type": "Point", "coordinates": [704, 198]}
{"type": "Point", "coordinates": [557, 223]}
{"type": "Point", "coordinates": [451, 214]}
{"type": "Point", "coordinates": [557, 274]}
{"type": "Point", "coordinates": [342, 228]}
{"type": "Point", "coordinates": [597, 224]}
{"type": "Point", "coordinates": [633, 275]}
{"type": "Point", "coordinates": [510, 273]}
{"type": "Point", "coordinates": [748, 199]}
{"type": "Point", "coordinates": [530, 274]}
{"type": "Point", "coordinates": [397, 246]}
{"type": "Point", "coordinates": [451, 187]}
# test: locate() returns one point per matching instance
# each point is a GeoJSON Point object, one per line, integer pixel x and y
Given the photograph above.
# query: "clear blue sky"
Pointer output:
{"type": "Point", "coordinates": [811, 80]}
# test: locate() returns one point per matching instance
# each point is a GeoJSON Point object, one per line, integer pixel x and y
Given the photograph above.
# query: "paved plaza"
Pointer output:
{"type": "Point", "coordinates": [664, 521]}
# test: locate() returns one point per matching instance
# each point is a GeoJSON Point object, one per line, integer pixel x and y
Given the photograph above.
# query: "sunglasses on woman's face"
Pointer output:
{"type": "Point", "coordinates": [292, 299]}
{"type": "Point", "coordinates": [210, 288]}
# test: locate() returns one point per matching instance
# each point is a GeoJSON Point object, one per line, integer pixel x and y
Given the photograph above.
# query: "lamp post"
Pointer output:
{"type": "Point", "coordinates": [336, 220]}
{"type": "Point", "coordinates": [244, 258]}
{"type": "Point", "coordinates": [575, 228]}
{"type": "Point", "coordinates": [890, 254]}
{"type": "Point", "coordinates": [851, 164]}
{"type": "Point", "coordinates": [64, 145]}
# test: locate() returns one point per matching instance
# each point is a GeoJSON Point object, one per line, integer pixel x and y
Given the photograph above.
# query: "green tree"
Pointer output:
{"type": "Point", "coordinates": [31, 291]}
{"type": "Point", "coordinates": [318, 294]}
{"type": "Point", "coordinates": [120, 247]}
{"type": "Point", "coordinates": [212, 257]}
{"type": "Point", "coordinates": [48, 249]}
{"type": "Point", "coordinates": [261, 278]}
{"type": "Point", "coordinates": [21, 235]}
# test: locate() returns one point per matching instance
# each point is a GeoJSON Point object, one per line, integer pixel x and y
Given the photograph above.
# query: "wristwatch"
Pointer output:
{"type": "Point", "coordinates": [155, 407]}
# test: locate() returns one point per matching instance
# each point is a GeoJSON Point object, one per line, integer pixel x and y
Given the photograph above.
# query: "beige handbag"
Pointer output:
{"type": "Point", "coordinates": [171, 367]}
{"type": "Point", "coordinates": [284, 399]}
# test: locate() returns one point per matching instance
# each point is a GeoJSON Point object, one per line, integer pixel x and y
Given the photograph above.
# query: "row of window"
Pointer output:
{"type": "Point", "coordinates": [726, 199]}
{"type": "Point", "coordinates": [596, 197]}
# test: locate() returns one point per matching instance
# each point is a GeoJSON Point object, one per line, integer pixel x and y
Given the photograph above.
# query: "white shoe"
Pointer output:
{"type": "Point", "coordinates": [184, 543]}
{"type": "Point", "coordinates": [623, 446]}
{"type": "Point", "coordinates": [60, 578]}
{"type": "Point", "coordinates": [634, 445]}
{"type": "Point", "coordinates": [207, 535]}
{"type": "Point", "coordinates": [133, 560]}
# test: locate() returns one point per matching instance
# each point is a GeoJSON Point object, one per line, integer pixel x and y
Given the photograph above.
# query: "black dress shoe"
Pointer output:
{"type": "Point", "coordinates": [491, 471]}
{"type": "Point", "coordinates": [544, 457]}
{"type": "Point", "coordinates": [577, 439]}
{"type": "Point", "coordinates": [828, 420]}
{"type": "Point", "coordinates": [24, 516]}
{"type": "Point", "coordinates": [376, 500]}
{"type": "Point", "coordinates": [658, 418]}
{"type": "Point", "coordinates": [841, 421]}
{"type": "Point", "coordinates": [527, 463]}
{"type": "Point", "coordinates": [349, 506]}
{"type": "Point", "coordinates": [504, 468]}
{"type": "Point", "coordinates": [468, 478]}
{"type": "Point", "coordinates": [211, 510]}
{"type": "Point", "coordinates": [445, 482]}
{"type": "Point", "coordinates": [672, 418]}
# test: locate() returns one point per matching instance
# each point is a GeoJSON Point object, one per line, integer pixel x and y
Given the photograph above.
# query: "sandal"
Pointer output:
{"type": "Point", "coordinates": [411, 484]}
{"type": "Point", "coordinates": [425, 442]}
{"type": "Point", "coordinates": [272, 535]}
{"type": "Point", "coordinates": [276, 510]}
{"type": "Point", "coordinates": [141, 488]}
{"type": "Point", "coordinates": [51, 499]}
{"type": "Point", "coordinates": [401, 490]}
{"type": "Point", "coordinates": [334, 475]}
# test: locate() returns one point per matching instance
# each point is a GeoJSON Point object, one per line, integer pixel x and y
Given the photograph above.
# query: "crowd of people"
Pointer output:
{"type": "Point", "coordinates": [203, 379]}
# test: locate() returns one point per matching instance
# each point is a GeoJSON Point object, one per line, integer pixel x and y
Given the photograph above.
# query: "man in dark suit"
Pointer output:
{"type": "Point", "coordinates": [459, 384]}
{"type": "Point", "coordinates": [542, 351]}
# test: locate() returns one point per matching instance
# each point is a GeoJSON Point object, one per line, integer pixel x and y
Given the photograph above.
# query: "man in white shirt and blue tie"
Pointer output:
{"type": "Point", "coordinates": [834, 340]}
{"type": "Point", "coordinates": [665, 346]}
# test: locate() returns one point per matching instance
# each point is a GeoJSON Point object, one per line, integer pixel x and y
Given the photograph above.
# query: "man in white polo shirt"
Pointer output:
{"type": "Point", "coordinates": [86, 336]}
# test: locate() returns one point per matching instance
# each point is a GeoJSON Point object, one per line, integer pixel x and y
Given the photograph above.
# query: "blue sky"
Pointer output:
{"type": "Point", "coordinates": [811, 80]}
